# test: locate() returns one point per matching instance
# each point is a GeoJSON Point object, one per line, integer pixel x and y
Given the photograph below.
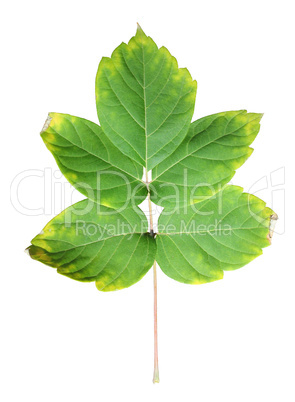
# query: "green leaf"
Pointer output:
{"type": "Point", "coordinates": [91, 163]}
{"type": "Point", "coordinates": [144, 101]}
{"type": "Point", "coordinates": [206, 160]}
{"type": "Point", "coordinates": [195, 245]}
{"type": "Point", "coordinates": [145, 104]}
{"type": "Point", "coordinates": [88, 242]}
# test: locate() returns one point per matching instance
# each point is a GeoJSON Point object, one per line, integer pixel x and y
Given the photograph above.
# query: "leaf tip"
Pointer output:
{"type": "Point", "coordinates": [47, 123]}
{"type": "Point", "coordinates": [250, 151]}
{"type": "Point", "coordinates": [139, 30]}
{"type": "Point", "coordinates": [27, 251]}
{"type": "Point", "coordinates": [272, 222]}
{"type": "Point", "coordinates": [259, 116]}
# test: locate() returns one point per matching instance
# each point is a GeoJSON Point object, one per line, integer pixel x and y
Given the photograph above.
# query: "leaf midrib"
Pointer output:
{"type": "Point", "coordinates": [205, 145]}
{"type": "Point", "coordinates": [91, 153]}
{"type": "Point", "coordinates": [84, 244]}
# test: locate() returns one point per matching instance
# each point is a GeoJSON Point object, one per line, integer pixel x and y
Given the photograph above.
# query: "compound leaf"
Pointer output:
{"type": "Point", "coordinates": [91, 163]}
{"type": "Point", "coordinates": [89, 242]}
{"type": "Point", "coordinates": [144, 101]}
{"type": "Point", "coordinates": [206, 160]}
{"type": "Point", "coordinates": [222, 233]}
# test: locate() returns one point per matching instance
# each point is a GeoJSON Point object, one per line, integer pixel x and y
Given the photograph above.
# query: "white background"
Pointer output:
{"type": "Point", "coordinates": [61, 340]}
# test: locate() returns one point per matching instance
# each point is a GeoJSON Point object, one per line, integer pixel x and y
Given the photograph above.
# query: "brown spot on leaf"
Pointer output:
{"type": "Point", "coordinates": [272, 221]}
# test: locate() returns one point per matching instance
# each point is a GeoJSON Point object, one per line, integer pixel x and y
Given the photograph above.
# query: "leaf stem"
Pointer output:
{"type": "Point", "coordinates": [156, 363]}
{"type": "Point", "coordinates": [149, 201]}
{"type": "Point", "coordinates": [156, 378]}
